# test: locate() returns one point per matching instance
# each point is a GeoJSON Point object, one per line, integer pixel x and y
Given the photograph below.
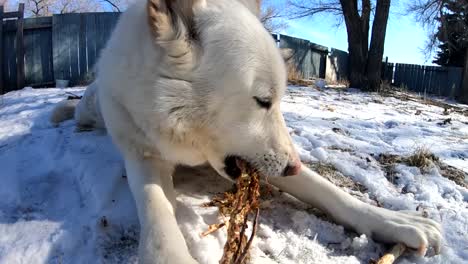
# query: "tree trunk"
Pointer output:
{"type": "Point", "coordinates": [356, 63]}
{"type": "Point", "coordinates": [463, 95]}
{"type": "Point", "coordinates": [376, 50]}
{"type": "Point", "coordinates": [365, 23]}
{"type": "Point", "coordinates": [357, 42]}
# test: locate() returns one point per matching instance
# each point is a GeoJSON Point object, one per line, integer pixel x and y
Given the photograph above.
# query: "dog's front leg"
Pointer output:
{"type": "Point", "coordinates": [379, 223]}
{"type": "Point", "coordinates": [161, 240]}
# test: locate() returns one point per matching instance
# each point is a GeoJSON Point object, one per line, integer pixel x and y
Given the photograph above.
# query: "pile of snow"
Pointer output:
{"type": "Point", "coordinates": [64, 196]}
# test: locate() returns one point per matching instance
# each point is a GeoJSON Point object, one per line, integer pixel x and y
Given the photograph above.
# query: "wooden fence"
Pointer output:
{"type": "Point", "coordinates": [387, 71]}
{"type": "Point", "coordinates": [337, 65]}
{"type": "Point", "coordinates": [78, 40]}
{"type": "Point", "coordinates": [309, 58]}
{"type": "Point", "coordinates": [59, 47]}
{"type": "Point", "coordinates": [16, 43]}
{"type": "Point", "coordinates": [67, 47]}
{"type": "Point", "coordinates": [443, 81]}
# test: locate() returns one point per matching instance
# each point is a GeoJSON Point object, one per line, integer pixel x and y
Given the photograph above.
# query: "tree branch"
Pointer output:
{"type": "Point", "coordinates": [302, 8]}
{"type": "Point", "coordinates": [114, 5]}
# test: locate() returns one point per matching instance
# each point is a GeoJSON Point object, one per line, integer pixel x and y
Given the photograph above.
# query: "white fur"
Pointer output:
{"type": "Point", "coordinates": [169, 100]}
{"type": "Point", "coordinates": [63, 111]}
{"type": "Point", "coordinates": [88, 112]}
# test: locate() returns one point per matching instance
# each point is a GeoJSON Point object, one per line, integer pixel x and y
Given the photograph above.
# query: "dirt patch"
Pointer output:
{"type": "Point", "coordinates": [329, 172]}
{"type": "Point", "coordinates": [341, 131]}
{"type": "Point", "coordinates": [300, 82]}
{"type": "Point", "coordinates": [348, 150]}
{"type": "Point", "coordinates": [453, 174]}
{"type": "Point", "coordinates": [388, 163]}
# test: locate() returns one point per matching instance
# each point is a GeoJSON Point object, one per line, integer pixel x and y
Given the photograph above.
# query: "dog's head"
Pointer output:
{"type": "Point", "coordinates": [237, 78]}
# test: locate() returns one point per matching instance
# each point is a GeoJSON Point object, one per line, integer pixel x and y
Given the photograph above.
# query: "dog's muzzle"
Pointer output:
{"type": "Point", "coordinates": [233, 171]}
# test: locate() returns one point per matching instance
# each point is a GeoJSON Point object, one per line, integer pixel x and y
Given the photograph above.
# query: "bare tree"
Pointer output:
{"type": "Point", "coordinates": [272, 16]}
{"type": "Point", "coordinates": [36, 8]}
{"type": "Point", "coordinates": [76, 6]}
{"type": "Point", "coordinates": [364, 60]}
{"type": "Point", "coordinates": [303, 8]}
{"type": "Point", "coordinates": [114, 5]}
{"type": "Point", "coordinates": [426, 11]}
{"type": "Point", "coordinates": [430, 13]}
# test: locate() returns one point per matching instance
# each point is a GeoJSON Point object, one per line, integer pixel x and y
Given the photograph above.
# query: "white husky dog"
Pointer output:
{"type": "Point", "coordinates": [200, 81]}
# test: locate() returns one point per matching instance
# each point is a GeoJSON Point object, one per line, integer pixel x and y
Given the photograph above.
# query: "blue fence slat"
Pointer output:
{"type": "Point", "coordinates": [419, 77]}
{"type": "Point", "coordinates": [396, 80]}
{"type": "Point", "coordinates": [9, 63]}
{"type": "Point", "coordinates": [73, 35]}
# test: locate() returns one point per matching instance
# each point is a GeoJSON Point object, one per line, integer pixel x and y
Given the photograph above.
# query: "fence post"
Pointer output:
{"type": "Point", "coordinates": [463, 94]}
{"type": "Point", "coordinates": [386, 69]}
{"type": "Point", "coordinates": [1, 50]}
{"type": "Point", "coordinates": [20, 47]}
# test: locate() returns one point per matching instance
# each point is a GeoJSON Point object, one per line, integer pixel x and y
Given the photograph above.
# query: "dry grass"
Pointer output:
{"type": "Point", "coordinates": [325, 169]}
{"type": "Point", "coordinates": [385, 87]}
{"type": "Point", "coordinates": [293, 74]}
{"type": "Point", "coordinates": [403, 94]}
{"type": "Point", "coordinates": [422, 158]}
{"type": "Point", "coordinates": [342, 83]}
{"type": "Point", "coordinates": [295, 77]}
{"type": "Point", "coordinates": [301, 82]}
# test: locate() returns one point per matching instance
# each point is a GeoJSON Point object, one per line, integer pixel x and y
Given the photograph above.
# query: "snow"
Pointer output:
{"type": "Point", "coordinates": [64, 196]}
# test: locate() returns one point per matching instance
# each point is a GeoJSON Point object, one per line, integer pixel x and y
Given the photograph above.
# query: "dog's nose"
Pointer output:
{"type": "Point", "coordinates": [293, 168]}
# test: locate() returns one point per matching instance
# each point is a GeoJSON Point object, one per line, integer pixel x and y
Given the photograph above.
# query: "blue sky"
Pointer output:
{"type": "Point", "coordinates": [404, 41]}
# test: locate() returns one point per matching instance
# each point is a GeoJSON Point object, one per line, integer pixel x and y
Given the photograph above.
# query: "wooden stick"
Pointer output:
{"type": "Point", "coordinates": [391, 256]}
{"type": "Point", "coordinates": [212, 229]}
{"type": "Point", "coordinates": [249, 243]}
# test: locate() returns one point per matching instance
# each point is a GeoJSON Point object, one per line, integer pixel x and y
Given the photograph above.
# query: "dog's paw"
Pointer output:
{"type": "Point", "coordinates": [409, 228]}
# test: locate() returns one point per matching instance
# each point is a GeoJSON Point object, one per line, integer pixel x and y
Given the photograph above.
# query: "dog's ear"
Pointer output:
{"type": "Point", "coordinates": [253, 5]}
{"type": "Point", "coordinates": [172, 24]}
{"type": "Point", "coordinates": [172, 19]}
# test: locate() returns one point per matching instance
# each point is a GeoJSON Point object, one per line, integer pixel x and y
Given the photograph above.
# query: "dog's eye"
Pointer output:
{"type": "Point", "coordinates": [263, 102]}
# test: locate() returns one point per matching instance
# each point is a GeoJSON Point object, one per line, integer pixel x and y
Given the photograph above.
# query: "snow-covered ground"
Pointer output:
{"type": "Point", "coordinates": [64, 196]}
